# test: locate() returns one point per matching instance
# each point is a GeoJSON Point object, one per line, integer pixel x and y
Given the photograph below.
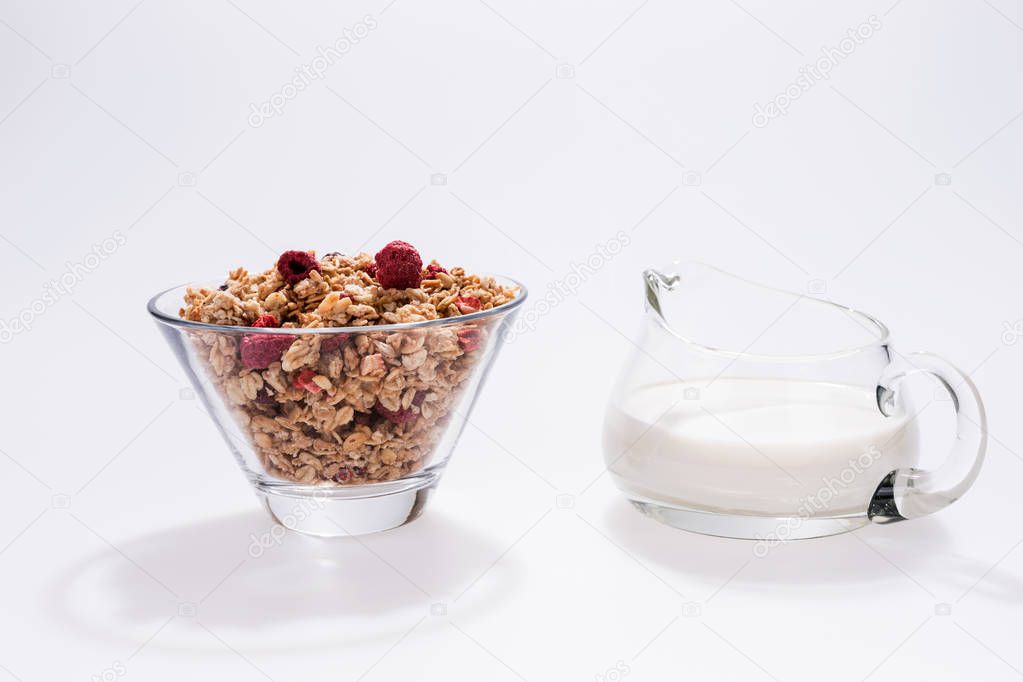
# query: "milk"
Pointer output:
{"type": "Point", "coordinates": [773, 447]}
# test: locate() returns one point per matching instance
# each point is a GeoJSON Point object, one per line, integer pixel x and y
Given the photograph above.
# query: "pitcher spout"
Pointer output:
{"type": "Point", "coordinates": [718, 311]}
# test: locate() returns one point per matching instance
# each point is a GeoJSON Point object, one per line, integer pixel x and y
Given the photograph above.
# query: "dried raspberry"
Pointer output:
{"type": "Point", "coordinates": [259, 351]}
{"type": "Point", "coordinates": [329, 344]}
{"type": "Point", "coordinates": [432, 269]}
{"type": "Point", "coordinates": [266, 321]}
{"type": "Point", "coordinates": [399, 266]}
{"type": "Point", "coordinates": [398, 417]}
{"type": "Point", "coordinates": [295, 266]}
{"type": "Point", "coordinates": [468, 304]}
{"type": "Point", "coordinates": [469, 339]}
{"type": "Point", "coordinates": [304, 379]}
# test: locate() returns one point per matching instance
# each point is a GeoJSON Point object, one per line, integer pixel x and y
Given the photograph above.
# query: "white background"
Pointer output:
{"type": "Point", "coordinates": [125, 523]}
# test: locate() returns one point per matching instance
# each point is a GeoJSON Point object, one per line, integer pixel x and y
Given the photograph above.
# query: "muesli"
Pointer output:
{"type": "Point", "coordinates": [355, 406]}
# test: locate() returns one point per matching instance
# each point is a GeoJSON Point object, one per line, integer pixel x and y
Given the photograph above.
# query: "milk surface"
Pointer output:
{"type": "Point", "coordinates": [755, 446]}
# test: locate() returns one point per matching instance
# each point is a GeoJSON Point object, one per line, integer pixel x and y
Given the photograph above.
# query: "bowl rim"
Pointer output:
{"type": "Point", "coordinates": [163, 317]}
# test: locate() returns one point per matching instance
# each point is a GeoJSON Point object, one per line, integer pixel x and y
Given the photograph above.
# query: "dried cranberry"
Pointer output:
{"type": "Point", "coordinates": [265, 397]}
{"type": "Point", "coordinates": [344, 474]}
{"type": "Point", "coordinates": [329, 344]}
{"type": "Point", "coordinates": [397, 416]}
{"type": "Point", "coordinates": [469, 339]}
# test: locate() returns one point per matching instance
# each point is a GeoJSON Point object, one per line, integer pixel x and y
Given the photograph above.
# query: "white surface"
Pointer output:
{"type": "Point", "coordinates": [148, 138]}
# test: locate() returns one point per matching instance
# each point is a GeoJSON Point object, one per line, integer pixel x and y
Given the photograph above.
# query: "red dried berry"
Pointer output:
{"type": "Point", "coordinates": [399, 266]}
{"type": "Point", "coordinates": [397, 416]}
{"type": "Point", "coordinates": [329, 344]}
{"type": "Point", "coordinates": [470, 339]}
{"type": "Point", "coordinates": [295, 266]}
{"type": "Point", "coordinates": [266, 321]}
{"type": "Point", "coordinates": [344, 474]}
{"type": "Point", "coordinates": [304, 379]}
{"type": "Point", "coordinates": [432, 269]}
{"type": "Point", "coordinates": [259, 351]}
{"type": "Point", "coordinates": [468, 304]}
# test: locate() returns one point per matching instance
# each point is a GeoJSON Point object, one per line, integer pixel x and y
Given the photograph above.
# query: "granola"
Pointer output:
{"type": "Point", "coordinates": [358, 405]}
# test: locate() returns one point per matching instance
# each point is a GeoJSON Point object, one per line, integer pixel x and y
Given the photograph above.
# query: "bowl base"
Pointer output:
{"type": "Point", "coordinates": [767, 529]}
{"type": "Point", "coordinates": [357, 510]}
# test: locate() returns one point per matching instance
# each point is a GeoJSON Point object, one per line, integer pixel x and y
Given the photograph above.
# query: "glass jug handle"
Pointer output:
{"type": "Point", "coordinates": [910, 493]}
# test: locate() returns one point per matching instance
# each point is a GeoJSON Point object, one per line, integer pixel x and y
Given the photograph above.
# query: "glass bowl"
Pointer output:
{"type": "Point", "coordinates": [342, 430]}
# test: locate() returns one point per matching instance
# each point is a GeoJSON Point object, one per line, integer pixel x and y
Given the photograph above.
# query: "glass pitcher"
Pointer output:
{"type": "Point", "coordinates": [751, 412]}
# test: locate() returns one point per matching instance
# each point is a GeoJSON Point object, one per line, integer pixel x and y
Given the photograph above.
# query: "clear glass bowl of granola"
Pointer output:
{"type": "Point", "coordinates": [341, 384]}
